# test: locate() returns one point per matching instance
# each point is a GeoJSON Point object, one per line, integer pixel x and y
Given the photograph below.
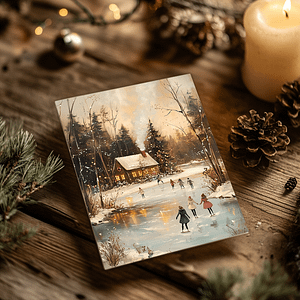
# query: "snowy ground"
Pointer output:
{"type": "Point", "coordinates": [147, 227]}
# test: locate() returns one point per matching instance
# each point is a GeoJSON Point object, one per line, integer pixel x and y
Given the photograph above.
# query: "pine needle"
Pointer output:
{"type": "Point", "coordinates": [273, 283]}
{"type": "Point", "coordinates": [20, 176]}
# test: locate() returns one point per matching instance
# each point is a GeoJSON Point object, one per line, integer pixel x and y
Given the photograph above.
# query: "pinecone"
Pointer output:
{"type": "Point", "coordinates": [290, 184]}
{"type": "Point", "coordinates": [257, 139]}
{"type": "Point", "coordinates": [229, 34]}
{"type": "Point", "coordinates": [288, 102]}
{"type": "Point", "coordinates": [195, 36]}
{"type": "Point", "coordinates": [185, 27]}
{"type": "Point", "coordinates": [196, 26]}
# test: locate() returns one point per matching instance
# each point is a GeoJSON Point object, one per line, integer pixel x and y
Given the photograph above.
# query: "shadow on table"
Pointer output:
{"type": "Point", "coordinates": [48, 60]}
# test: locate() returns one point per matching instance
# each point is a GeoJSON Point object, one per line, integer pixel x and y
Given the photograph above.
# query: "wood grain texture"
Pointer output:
{"type": "Point", "coordinates": [58, 265]}
{"type": "Point", "coordinates": [62, 261]}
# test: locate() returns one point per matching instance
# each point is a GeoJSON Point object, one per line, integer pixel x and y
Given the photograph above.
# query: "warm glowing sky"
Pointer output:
{"type": "Point", "coordinates": [136, 104]}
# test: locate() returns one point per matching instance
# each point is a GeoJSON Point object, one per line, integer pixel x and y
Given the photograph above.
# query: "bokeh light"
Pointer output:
{"type": "Point", "coordinates": [39, 30]}
{"type": "Point", "coordinates": [63, 12]}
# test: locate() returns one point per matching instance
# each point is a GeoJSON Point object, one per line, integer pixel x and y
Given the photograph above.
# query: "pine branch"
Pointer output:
{"type": "Point", "coordinates": [292, 251]}
{"type": "Point", "coordinates": [273, 283]}
{"type": "Point", "coordinates": [219, 285]}
{"type": "Point", "coordinates": [13, 235]}
{"type": "Point", "coordinates": [20, 176]}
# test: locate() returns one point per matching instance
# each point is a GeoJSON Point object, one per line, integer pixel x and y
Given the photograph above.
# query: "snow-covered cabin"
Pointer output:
{"type": "Point", "coordinates": [132, 167]}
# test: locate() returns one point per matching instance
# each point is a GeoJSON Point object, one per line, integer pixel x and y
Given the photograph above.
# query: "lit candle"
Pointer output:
{"type": "Point", "coordinates": [272, 49]}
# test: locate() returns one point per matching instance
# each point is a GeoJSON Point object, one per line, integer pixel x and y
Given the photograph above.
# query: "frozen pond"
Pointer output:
{"type": "Point", "coordinates": [150, 223]}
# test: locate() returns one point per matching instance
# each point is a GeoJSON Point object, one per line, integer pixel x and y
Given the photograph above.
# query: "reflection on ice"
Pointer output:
{"type": "Point", "coordinates": [127, 217]}
{"type": "Point", "coordinates": [136, 215]}
{"type": "Point", "coordinates": [167, 211]}
{"type": "Point", "coordinates": [143, 211]}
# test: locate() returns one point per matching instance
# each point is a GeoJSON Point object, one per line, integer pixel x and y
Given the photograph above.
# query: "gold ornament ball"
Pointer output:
{"type": "Point", "coordinates": [68, 46]}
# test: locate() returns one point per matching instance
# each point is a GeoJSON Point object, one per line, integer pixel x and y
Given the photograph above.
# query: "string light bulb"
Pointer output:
{"type": "Point", "coordinates": [48, 22]}
{"type": "Point", "coordinates": [38, 30]}
{"type": "Point", "coordinates": [116, 11]}
{"type": "Point", "coordinates": [63, 12]}
{"type": "Point", "coordinates": [94, 20]}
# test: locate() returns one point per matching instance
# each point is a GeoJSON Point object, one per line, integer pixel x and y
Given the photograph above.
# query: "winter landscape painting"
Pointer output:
{"type": "Point", "coordinates": [149, 170]}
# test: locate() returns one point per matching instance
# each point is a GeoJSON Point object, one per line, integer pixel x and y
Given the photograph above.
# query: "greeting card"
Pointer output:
{"type": "Point", "coordinates": [149, 170]}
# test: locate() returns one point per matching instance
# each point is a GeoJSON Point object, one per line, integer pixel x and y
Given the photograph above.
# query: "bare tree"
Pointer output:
{"type": "Point", "coordinates": [113, 121]}
{"type": "Point", "coordinates": [112, 250]}
{"type": "Point", "coordinates": [186, 134]}
{"type": "Point", "coordinates": [95, 154]}
{"type": "Point", "coordinates": [72, 133]}
{"type": "Point", "coordinates": [209, 153]}
{"type": "Point", "coordinates": [208, 138]}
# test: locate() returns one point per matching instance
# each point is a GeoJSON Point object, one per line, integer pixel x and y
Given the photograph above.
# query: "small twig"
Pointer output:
{"type": "Point", "coordinates": [33, 190]}
{"type": "Point", "coordinates": [180, 128]}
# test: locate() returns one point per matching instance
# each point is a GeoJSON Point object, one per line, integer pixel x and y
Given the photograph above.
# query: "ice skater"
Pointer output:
{"type": "Point", "coordinates": [190, 182]}
{"type": "Point", "coordinates": [159, 180]}
{"type": "Point", "coordinates": [184, 218]}
{"type": "Point", "coordinates": [207, 205]}
{"type": "Point", "coordinates": [172, 183]}
{"type": "Point", "coordinates": [141, 191]}
{"type": "Point", "coordinates": [192, 206]}
{"type": "Point", "coordinates": [181, 183]}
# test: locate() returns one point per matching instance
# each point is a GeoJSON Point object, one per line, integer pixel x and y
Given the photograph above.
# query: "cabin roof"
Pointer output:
{"type": "Point", "coordinates": [136, 161]}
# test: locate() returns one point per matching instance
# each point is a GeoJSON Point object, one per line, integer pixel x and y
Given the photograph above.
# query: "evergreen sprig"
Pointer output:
{"type": "Point", "coordinates": [220, 284]}
{"type": "Point", "coordinates": [273, 283]}
{"type": "Point", "coordinates": [292, 251]}
{"type": "Point", "coordinates": [13, 235]}
{"type": "Point", "coordinates": [20, 176]}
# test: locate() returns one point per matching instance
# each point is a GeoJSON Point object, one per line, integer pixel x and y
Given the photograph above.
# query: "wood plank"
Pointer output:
{"type": "Point", "coordinates": [57, 265]}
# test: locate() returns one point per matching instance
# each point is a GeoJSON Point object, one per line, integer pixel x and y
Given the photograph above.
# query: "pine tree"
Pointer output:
{"type": "Point", "coordinates": [78, 140]}
{"type": "Point", "coordinates": [157, 147]}
{"type": "Point", "coordinates": [102, 144]}
{"type": "Point", "coordinates": [78, 137]}
{"type": "Point", "coordinates": [126, 143]}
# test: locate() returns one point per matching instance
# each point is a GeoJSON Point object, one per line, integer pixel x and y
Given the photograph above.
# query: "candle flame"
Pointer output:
{"type": "Point", "coordinates": [287, 7]}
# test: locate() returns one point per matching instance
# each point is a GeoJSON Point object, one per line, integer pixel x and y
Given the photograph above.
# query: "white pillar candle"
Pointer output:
{"type": "Point", "coordinates": [272, 49]}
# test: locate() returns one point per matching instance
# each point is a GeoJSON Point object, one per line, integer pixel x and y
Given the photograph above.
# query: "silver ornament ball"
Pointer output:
{"type": "Point", "coordinates": [68, 46]}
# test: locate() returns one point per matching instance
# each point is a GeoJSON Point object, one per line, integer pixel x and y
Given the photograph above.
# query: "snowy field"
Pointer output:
{"type": "Point", "coordinates": [147, 227]}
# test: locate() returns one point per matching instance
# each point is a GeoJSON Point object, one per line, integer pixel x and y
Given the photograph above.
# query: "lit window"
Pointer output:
{"type": "Point", "coordinates": [117, 178]}
{"type": "Point", "coordinates": [133, 174]}
{"type": "Point", "coordinates": [146, 171]}
{"type": "Point", "coordinates": [140, 173]}
{"type": "Point", "coordinates": [123, 177]}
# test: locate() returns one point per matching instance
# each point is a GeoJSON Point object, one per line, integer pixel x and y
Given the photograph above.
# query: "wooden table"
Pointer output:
{"type": "Point", "coordinates": [62, 261]}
